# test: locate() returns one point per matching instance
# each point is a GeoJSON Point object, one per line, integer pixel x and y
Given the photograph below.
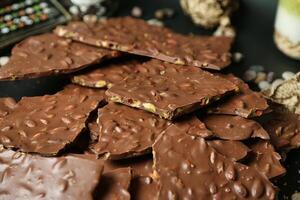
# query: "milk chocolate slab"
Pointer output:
{"type": "Point", "coordinates": [245, 104]}
{"type": "Point", "coordinates": [137, 37]}
{"type": "Point", "coordinates": [48, 54]}
{"type": "Point", "coordinates": [49, 124]}
{"type": "Point", "coordinates": [234, 127]}
{"type": "Point", "coordinates": [126, 132]}
{"type": "Point", "coordinates": [266, 160]}
{"type": "Point", "coordinates": [188, 168]}
{"type": "Point", "coordinates": [7, 104]}
{"type": "Point", "coordinates": [170, 91]}
{"type": "Point", "coordinates": [114, 185]}
{"type": "Point", "coordinates": [25, 176]}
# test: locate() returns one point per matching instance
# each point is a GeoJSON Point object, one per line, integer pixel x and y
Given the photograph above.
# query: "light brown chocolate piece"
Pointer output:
{"type": "Point", "coordinates": [49, 124]}
{"type": "Point", "coordinates": [7, 104]}
{"type": "Point", "coordinates": [245, 104]}
{"type": "Point", "coordinates": [126, 132]}
{"type": "Point", "coordinates": [266, 160]}
{"type": "Point", "coordinates": [188, 168]}
{"type": "Point", "coordinates": [137, 37]}
{"type": "Point", "coordinates": [25, 176]}
{"type": "Point", "coordinates": [234, 127]}
{"type": "Point", "coordinates": [48, 54]}
{"type": "Point", "coordinates": [169, 90]}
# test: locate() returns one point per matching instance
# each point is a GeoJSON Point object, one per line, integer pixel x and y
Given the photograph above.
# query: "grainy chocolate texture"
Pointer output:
{"type": "Point", "coordinates": [234, 150]}
{"type": "Point", "coordinates": [7, 104]}
{"type": "Point", "coordinates": [107, 75]}
{"type": "Point", "coordinates": [234, 127]}
{"type": "Point", "coordinates": [48, 124]}
{"type": "Point", "coordinates": [284, 130]}
{"type": "Point", "coordinates": [170, 90]}
{"type": "Point", "coordinates": [137, 37]}
{"type": "Point", "coordinates": [114, 185]}
{"type": "Point", "coordinates": [48, 54]}
{"type": "Point", "coordinates": [188, 168]}
{"type": "Point", "coordinates": [245, 104]}
{"type": "Point", "coordinates": [266, 160]}
{"type": "Point", "coordinates": [25, 176]}
{"type": "Point", "coordinates": [126, 132]}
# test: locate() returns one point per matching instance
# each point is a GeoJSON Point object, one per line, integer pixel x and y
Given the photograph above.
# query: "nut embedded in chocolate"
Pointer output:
{"type": "Point", "coordinates": [7, 104]}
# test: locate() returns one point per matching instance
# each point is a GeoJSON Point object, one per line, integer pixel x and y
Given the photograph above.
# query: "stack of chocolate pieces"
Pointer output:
{"type": "Point", "coordinates": [156, 125]}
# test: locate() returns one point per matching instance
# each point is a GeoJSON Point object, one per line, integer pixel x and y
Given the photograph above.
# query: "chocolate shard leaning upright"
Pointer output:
{"type": "Point", "coordinates": [137, 37]}
{"type": "Point", "coordinates": [49, 124]}
{"type": "Point", "coordinates": [126, 132]}
{"type": "Point", "coordinates": [188, 168]}
{"type": "Point", "coordinates": [26, 176]}
{"type": "Point", "coordinates": [7, 104]}
{"type": "Point", "coordinates": [48, 54]}
{"type": "Point", "coordinates": [246, 104]}
{"type": "Point", "coordinates": [170, 90]}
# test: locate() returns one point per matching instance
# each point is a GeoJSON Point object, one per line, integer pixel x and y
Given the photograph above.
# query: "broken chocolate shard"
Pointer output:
{"type": "Point", "coordinates": [7, 104]}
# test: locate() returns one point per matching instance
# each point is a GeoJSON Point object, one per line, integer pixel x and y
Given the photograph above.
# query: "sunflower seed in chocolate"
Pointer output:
{"type": "Point", "coordinates": [49, 124]}
{"type": "Point", "coordinates": [25, 176]}
{"type": "Point", "coordinates": [170, 91]}
{"type": "Point", "coordinates": [245, 104]}
{"type": "Point", "coordinates": [188, 168]}
{"type": "Point", "coordinates": [7, 104]}
{"type": "Point", "coordinates": [234, 127]}
{"type": "Point", "coordinates": [126, 132]}
{"type": "Point", "coordinates": [137, 37]}
{"type": "Point", "coordinates": [48, 54]}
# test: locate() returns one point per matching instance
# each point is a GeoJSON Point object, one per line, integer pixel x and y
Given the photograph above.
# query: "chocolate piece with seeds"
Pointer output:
{"type": "Point", "coordinates": [126, 132]}
{"type": "Point", "coordinates": [171, 90]}
{"type": "Point", "coordinates": [137, 37]}
{"type": "Point", "coordinates": [48, 54]}
{"type": "Point", "coordinates": [49, 124]}
{"type": "Point", "coordinates": [188, 168]}
{"type": "Point", "coordinates": [25, 176]}
{"type": "Point", "coordinates": [245, 104]}
{"type": "Point", "coordinates": [7, 104]}
{"type": "Point", "coordinates": [234, 127]}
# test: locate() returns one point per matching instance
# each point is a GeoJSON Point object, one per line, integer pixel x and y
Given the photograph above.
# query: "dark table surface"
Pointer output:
{"type": "Point", "coordinates": [254, 22]}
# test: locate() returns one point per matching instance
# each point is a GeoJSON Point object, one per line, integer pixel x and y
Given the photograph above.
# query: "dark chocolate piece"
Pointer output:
{"type": "Point", "coordinates": [170, 90]}
{"type": "Point", "coordinates": [25, 176]}
{"type": "Point", "coordinates": [266, 160]}
{"type": "Point", "coordinates": [7, 104]}
{"type": "Point", "coordinates": [245, 104]}
{"type": "Point", "coordinates": [234, 127]}
{"type": "Point", "coordinates": [137, 37]}
{"type": "Point", "coordinates": [188, 168]}
{"type": "Point", "coordinates": [48, 54]}
{"type": "Point", "coordinates": [48, 124]}
{"type": "Point", "coordinates": [126, 132]}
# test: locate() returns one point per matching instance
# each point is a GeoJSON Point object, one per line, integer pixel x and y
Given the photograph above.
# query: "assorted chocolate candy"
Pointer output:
{"type": "Point", "coordinates": [135, 127]}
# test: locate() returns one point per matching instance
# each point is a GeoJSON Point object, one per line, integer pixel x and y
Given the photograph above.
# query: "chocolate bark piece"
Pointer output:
{"type": "Point", "coordinates": [188, 168]}
{"type": "Point", "coordinates": [26, 176]}
{"type": "Point", "coordinates": [234, 127]}
{"type": "Point", "coordinates": [266, 160]}
{"type": "Point", "coordinates": [7, 104]}
{"type": "Point", "coordinates": [245, 104]}
{"type": "Point", "coordinates": [234, 150]}
{"type": "Point", "coordinates": [171, 90]}
{"type": "Point", "coordinates": [49, 124]}
{"type": "Point", "coordinates": [137, 37]}
{"type": "Point", "coordinates": [48, 54]}
{"type": "Point", "coordinates": [126, 132]}
{"type": "Point", "coordinates": [114, 185]}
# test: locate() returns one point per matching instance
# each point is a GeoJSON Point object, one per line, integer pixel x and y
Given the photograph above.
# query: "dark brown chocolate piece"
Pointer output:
{"type": "Point", "coordinates": [188, 168]}
{"type": "Point", "coordinates": [49, 54]}
{"type": "Point", "coordinates": [7, 104]}
{"type": "Point", "coordinates": [233, 150]}
{"type": "Point", "coordinates": [137, 37]}
{"type": "Point", "coordinates": [245, 104]}
{"type": "Point", "coordinates": [170, 90]}
{"type": "Point", "coordinates": [284, 130]}
{"type": "Point", "coordinates": [126, 132]}
{"type": "Point", "coordinates": [266, 160]}
{"type": "Point", "coordinates": [234, 127]}
{"type": "Point", "coordinates": [25, 176]}
{"type": "Point", "coordinates": [114, 185]}
{"type": "Point", "coordinates": [48, 124]}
